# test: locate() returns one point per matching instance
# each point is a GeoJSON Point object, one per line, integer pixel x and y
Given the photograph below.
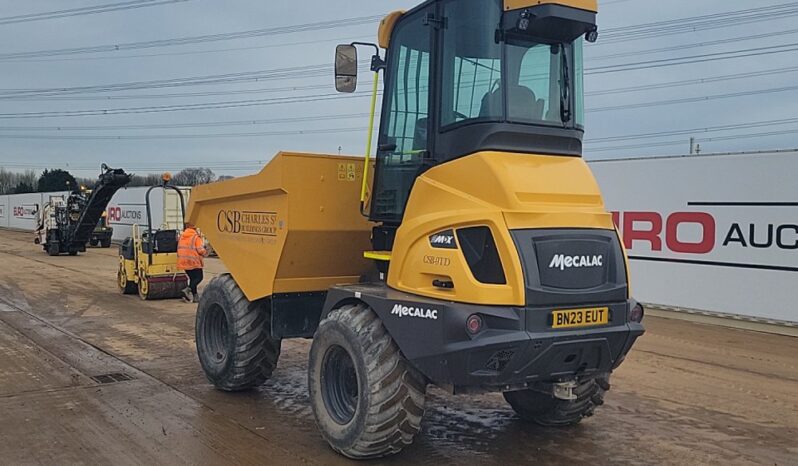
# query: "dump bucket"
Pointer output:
{"type": "Point", "coordinates": [293, 227]}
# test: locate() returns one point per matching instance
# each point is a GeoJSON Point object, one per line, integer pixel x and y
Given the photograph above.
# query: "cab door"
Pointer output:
{"type": "Point", "coordinates": [405, 128]}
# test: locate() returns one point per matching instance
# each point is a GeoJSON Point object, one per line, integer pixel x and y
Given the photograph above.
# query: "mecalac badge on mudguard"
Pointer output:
{"type": "Point", "coordinates": [443, 240]}
{"type": "Point", "coordinates": [400, 310]}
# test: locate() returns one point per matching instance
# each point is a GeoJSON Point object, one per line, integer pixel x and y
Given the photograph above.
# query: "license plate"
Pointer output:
{"type": "Point", "coordinates": [570, 318]}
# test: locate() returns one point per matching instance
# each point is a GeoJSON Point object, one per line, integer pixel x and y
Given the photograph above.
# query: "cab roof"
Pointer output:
{"type": "Point", "coordinates": [389, 21]}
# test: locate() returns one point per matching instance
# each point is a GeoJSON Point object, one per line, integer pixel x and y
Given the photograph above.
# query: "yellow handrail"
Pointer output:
{"type": "Point", "coordinates": [368, 140]}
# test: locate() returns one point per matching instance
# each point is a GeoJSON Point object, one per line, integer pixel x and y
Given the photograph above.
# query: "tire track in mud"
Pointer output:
{"type": "Point", "coordinates": [640, 424]}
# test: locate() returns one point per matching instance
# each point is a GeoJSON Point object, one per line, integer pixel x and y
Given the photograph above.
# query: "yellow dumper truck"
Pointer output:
{"type": "Point", "coordinates": [486, 260]}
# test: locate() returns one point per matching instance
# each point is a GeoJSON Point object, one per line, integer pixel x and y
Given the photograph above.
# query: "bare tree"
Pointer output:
{"type": "Point", "coordinates": [194, 176]}
{"type": "Point", "coordinates": [11, 182]}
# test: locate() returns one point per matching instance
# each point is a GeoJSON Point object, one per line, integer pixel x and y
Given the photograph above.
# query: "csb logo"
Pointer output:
{"type": "Point", "coordinates": [228, 221]}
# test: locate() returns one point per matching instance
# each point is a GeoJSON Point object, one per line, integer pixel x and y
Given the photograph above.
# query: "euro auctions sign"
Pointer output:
{"type": "Point", "coordinates": [731, 234]}
{"type": "Point", "coordinates": [716, 233]}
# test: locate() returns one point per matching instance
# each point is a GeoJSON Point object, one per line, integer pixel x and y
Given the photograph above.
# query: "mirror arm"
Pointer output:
{"type": "Point", "coordinates": [377, 63]}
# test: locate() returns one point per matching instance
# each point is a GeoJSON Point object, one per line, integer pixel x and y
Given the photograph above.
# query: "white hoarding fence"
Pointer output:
{"type": "Point", "coordinates": [127, 208]}
{"type": "Point", "coordinates": [716, 233]}
{"type": "Point", "coordinates": [23, 209]}
{"type": "Point", "coordinates": [4, 211]}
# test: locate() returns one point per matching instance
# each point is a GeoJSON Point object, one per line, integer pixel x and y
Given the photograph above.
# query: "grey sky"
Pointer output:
{"type": "Point", "coordinates": [201, 17]}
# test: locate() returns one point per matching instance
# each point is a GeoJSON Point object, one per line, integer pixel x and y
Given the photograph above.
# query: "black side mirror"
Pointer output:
{"type": "Point", "coordinates": [345, 68]}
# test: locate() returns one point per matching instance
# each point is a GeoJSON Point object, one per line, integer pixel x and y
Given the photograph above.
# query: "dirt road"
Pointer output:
{"type": "Point", "coordinates": [688, 393]}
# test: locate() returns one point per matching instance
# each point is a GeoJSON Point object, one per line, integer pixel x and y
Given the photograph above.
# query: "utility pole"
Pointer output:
{"type": "Point", "coordinates": [692, 145]}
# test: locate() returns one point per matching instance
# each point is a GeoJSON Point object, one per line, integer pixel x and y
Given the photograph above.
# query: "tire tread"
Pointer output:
{"type": "Point", "coordinates": [396, 390]}
{"type": "Point", "coordinates": [255, 352]}
{"type": "Point", "coordinates": [548, 411]}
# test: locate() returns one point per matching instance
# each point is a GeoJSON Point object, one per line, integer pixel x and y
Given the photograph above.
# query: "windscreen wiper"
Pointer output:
{"type": "Point", "coordinates": [565, 87]}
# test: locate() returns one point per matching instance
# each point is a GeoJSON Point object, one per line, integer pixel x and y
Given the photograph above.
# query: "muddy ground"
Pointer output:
{"type": "Point", "coordinates": [688, 393]}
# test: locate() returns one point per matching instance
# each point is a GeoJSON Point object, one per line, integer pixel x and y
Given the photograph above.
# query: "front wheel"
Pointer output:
{"type": "Point", "coordinates": [367, 399]}
{"type": "Point", "coordinates": [233, 336]}
{"type": "Point", "coordinates": [144, 286]}
{"type": "Point", "coordinates": [546, 410]}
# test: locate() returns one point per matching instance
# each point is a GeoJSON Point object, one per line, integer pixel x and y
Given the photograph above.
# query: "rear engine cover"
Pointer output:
{"type": "Point", "coordinates": [564, 267]}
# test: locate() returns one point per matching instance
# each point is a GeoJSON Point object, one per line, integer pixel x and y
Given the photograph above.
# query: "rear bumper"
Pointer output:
{"type": "Point", "coordinates": [503, 360]}
{"type": "Point", "coordinates": [516, 348]}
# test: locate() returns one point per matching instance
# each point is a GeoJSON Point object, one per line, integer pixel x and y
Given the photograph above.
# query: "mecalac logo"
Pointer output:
{"type": "Point", "coordinates": [443, 240]}
{"type": "Point", "coordinates": [562, 262]}
{"type": "Point", "coordinates": [410, 311]}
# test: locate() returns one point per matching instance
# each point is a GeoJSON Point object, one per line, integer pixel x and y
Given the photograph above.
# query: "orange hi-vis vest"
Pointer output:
{"type": "Point", "coordinates": [190, 250]}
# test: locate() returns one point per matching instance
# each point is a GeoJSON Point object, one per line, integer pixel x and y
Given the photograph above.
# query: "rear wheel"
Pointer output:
{"type": "Point", "coordinates": [94, 242]}
{"type": "Point", "coordinates": [106, 243]}
{"type": "Point", "coordinates": [233, 336]}
{"type": "Point", "coordinates": [125, 286]}
{"type": "Point", "coordinates": [53, 248]}
{"type": "Point", "coordinates": [367, 399]}
{"type": "Point", "coordinates": [544, 409]}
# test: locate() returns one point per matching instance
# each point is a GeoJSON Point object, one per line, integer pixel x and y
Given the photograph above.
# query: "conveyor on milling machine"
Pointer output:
{"type": "Point", "coordinates": [66, 225]}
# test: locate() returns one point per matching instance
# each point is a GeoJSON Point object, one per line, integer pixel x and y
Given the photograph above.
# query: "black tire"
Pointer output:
{"type": "Point", "coordinates": [94, 242]}
{"type": "Point", "coordinates": [545, 410]}
{"type": "Point", "coordinates": [53, 248]}
{"type": "Point", "coordinates": [106, 243]}
{"type": "Point", "coordinates": [125, 286]}
{"type": "Point", "coordinates": [352, 351]}
{"type": "Point", "coordinates": [233, 337]}
{"type": "Point", "coordinates": [72, 252]}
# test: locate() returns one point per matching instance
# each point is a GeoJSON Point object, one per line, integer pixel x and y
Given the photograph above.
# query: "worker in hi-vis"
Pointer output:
{"type": "Point", "coordinates": [190, 251]}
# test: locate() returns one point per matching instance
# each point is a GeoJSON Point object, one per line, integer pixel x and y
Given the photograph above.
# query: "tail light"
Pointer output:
{"type": "Point", "coordinates": [636, 312]}
{"type": "Point", "coordinates": [474, 324]}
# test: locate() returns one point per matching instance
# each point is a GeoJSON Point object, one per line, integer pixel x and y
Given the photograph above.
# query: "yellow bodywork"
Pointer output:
{"type": "Point", "coordinates": [589, 5]}
{"type": "Point", "coordinates": [386, 28]}
{"type": "Point", "coordinates": [154, 276]}
{"type": "Point", "coordinates": [293, 227]}
{"type": "Point", "coordinates": [504, 191]}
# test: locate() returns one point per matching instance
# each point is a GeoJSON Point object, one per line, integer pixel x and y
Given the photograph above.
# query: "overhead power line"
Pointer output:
{"type": "Point", "coordinates": [255, 164]}
{"type": "Point", "coordinates": [186, 136]}
{"type": "Point", "coordinates": [692, 99]}
{"type": "Point", "coordinates": [189, 52]}
{"type": "Point", "coordinates": [625, 33]}
{"type": "Point", "coordinates": [318, 26]}
{"type": "Point", "coordinates": [177, 108]}
{"type": "Point", "coordinates": [707, 57]}
{"type": "Point", "coordinates": [681, 142]}
{"type": "Point", "coordinates": [89, 10]}
{"type": "Point", "coordinates": [206, 124]}
{"type": "Point", "coordinates": [330, 97]}
{"type": "Point", "coordinates": [681, 47]}
{"type": "Point", "coordinates": [699, 23]}
{"type": "Point", "coordinates": [690, 82]}
{"type": "Point", "coordinates": [693, 131]}
{"type": "Point", "coordinates": [319, 70]}
{"type": "Point", "coordinates": [246, 76]}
